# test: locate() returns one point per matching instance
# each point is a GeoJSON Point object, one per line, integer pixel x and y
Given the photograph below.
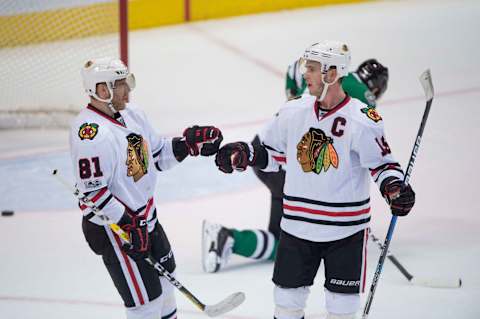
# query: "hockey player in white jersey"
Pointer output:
{"type": "Point", "coordinates": [367, 83]}
{"type": "Point", "coordinates": [116, 156]}
{"type": "Point", "coordinates": [332, 144]}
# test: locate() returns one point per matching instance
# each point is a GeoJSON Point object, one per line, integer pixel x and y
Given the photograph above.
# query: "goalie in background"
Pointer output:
{"type": "Point", "coordinates": [116, 156]}
{"type": "Point", "coordinates": [367, 84]}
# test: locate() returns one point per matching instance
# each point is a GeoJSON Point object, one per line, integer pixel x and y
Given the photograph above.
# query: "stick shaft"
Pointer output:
{"type": "Point", "coordinates": [393, 259]}
{"type": "Point", "coordinates": [426, 81]}
{"type": "Point", "coordinates": [125, 238]}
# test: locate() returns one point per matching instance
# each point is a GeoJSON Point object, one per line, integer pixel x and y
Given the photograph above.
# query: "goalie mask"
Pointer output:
{"type": "Point", "coordinates": [374, 75]}
{"type": "Point", "coordinates": [330, 54]}
{"type": "Point", "coordinates": [105, 70]}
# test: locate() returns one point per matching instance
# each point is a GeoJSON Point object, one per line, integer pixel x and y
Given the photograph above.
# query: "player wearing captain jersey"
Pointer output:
{"type": "Point", "coordinates": [333, 144]}
{"type": "Point", "coordinates": [367, 84]}
{"type": "Point", "coordinates": [116, 156]}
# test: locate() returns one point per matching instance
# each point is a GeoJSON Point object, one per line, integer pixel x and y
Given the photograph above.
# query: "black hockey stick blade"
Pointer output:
{"type": "Point", "coordinates": [224, 306]}
{"type": "Point", "coordinates": [431, 282]}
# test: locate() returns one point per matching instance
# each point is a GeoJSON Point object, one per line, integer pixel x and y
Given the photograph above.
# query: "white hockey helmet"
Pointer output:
{"type": "Point", "coordinates": [330, 54]}
{"type": "Point", "coordinates": [105, 70]}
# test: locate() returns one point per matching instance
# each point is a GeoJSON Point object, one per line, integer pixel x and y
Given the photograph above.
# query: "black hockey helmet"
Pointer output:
{"type": "Point", "coordinates": [374, 75]}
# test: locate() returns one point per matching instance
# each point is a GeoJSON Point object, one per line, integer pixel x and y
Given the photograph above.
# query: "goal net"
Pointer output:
{"type": "Point", "coordinates": [43, 45]}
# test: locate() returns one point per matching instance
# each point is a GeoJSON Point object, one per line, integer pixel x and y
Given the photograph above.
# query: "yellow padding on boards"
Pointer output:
{"type": "Point", "coordinates": [60, 24]}
{"type": "Point", "coordinates": [153, 13]}
{"type": "Point", "coordinates": [209, 9]}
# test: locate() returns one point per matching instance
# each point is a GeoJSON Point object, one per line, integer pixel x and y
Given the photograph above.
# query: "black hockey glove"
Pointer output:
{"type": "Point", "coordinates": [137, 230]}
{"type": "Point", "coordinates": [400, 198]}
{"type": "Point", "coordinates": [239, 155]}
{"type": "Point", "coordinates": [204, 140]}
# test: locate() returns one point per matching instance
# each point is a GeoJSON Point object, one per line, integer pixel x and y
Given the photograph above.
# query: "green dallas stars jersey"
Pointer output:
{"type": "Point", "coordinates": [296, 85]}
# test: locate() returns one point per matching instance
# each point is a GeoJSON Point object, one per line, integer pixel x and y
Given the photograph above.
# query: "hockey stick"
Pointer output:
{"type": "Point", "coordinates": [419, 281]}
{"type": "Point", "coordinates": [222, 307]}
{"type": "Point", "coordinates": [426, 81]}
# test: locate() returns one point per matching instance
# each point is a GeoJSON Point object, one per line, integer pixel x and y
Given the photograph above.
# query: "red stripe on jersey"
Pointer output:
{"type": "Point", "coordinates": [390, 166]}
{"type": "Point", "coordinates": [365, 240]}
{"type": "Point", "coordinates": [149, 206]}
{"type": "Point", "coordinates": [99, 194]}
{"type": "Point", "coordinates": [95, 198]}
{"type": "Point", "coordinates": [111, 119]}
{"type": "Point", "coordinates": [280, 159]}
{"type": "Point", "coordinates": [316, 105]}
{"type": "Point", "coordinates": [325, 213]}
{"type": "Point", "coordinates": [130, 270]}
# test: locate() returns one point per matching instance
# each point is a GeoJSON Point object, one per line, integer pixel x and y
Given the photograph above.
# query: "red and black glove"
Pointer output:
{"type": "Point", "coordinates": [204, 140]}
{"type": "Point", "coordinates": [137, 229]}
{"type": "Point", "coordinates": [239, 155]}
{"type": "Point", "coordinates": [401, 198]}
{"type": "Point", "coordinates": [233, 156]}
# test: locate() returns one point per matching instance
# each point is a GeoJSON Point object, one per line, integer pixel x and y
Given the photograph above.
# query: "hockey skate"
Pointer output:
{"type": "Point", "coordinates": [217, 245]}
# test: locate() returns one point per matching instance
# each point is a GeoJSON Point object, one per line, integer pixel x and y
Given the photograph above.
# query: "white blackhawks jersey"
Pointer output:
{"type": "Point", "coordinates": [329, 159]}
{"type": "Point", "coordinates": [116, 161]}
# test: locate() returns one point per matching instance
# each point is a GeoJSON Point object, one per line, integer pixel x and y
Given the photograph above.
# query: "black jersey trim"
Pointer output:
{"type": "Point", "coordinates": [154, 215]}
{"type": "Point", "coordinates": [170, 315]}
{"type": "Point", "coordinates": [328, 222]}
{"type": "Point", "coordinates": [386, 170]}
{"type": "Point", "coordinates": [158, 167]}
{"type": "Point", "coordinates": [157, 153]}
{"type": "Point", "coordinates": [105, 202]}
{"type": "Point", "coordinates": [383, 166]}
{"type": "Point", "coordinates": [90, 216]}
{"type": "Point", "coordinates": [272, 149]}
{"type": "Point", "coordinates": [317, 202]}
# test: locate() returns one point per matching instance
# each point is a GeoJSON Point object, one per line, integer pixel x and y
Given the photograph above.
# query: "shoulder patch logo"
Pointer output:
{"type": "Point", "coordinates": [372, 114]}
{"type": "Point", "coordinates": [315, 152]}
{"type": "Point", "coordinates": [88, 131]}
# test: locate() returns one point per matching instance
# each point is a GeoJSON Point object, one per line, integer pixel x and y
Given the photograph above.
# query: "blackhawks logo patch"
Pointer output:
{"type": "Point", "coordinates": [372, 114]}
{"type": "Point", "coordinates": [88, 131]}
{"type": "Point", "coordinates": [137, 156]}
{"type": "Point", "coordinates": [315, 152]}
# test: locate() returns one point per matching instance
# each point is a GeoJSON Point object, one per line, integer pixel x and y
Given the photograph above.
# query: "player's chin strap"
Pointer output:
{"type": "Point", "coordinates": [109, 100]}
{"type": "Point", "coordinates": [130, 79]}
{"type": "Point", "coordinates": [325, 86]}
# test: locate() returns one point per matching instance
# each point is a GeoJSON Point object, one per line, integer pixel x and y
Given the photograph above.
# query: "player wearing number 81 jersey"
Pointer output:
{"type": "Point", "coordinates": [116, 156]}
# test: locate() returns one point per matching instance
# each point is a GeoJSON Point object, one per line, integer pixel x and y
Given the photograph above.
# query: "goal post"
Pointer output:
{"type": "Point", "coordinates": [43, 45]}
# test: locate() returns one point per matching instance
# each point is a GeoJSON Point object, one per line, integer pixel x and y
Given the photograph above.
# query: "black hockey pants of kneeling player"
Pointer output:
{"type": "Point", "coordinates": [136, 281]}
{"type": "Point", "coordinates": [274, 181]}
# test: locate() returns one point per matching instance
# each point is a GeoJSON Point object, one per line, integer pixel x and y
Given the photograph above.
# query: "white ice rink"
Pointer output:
{"type": "Point", "coordinates": [230, 73]}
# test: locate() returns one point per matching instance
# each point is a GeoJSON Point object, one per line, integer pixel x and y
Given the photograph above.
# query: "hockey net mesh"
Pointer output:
{"type": "Point", "coordinates": [43, 45]}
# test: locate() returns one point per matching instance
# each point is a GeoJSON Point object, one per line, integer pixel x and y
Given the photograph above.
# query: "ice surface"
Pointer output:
{"type": "Point", "coordinates": [230, 73]}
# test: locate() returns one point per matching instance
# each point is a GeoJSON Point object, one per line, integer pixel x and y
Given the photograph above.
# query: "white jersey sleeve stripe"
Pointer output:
{"type": "Point", "coordinates": [164, 157]}
{"type": "Point", "coordinates": [106, 203]}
